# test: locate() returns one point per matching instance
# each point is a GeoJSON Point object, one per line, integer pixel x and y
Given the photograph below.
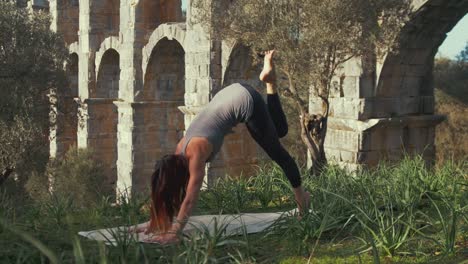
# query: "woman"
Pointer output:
{"type": "Point", "coordinates": [178, 178]}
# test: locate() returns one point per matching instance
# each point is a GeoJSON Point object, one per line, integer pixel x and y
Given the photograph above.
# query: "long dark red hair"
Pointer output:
{"type": "Point", "coordinates": [168, 189]}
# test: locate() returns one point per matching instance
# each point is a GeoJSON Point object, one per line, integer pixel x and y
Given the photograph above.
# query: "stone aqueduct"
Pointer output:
{"type": "Point", "coordinates": [139, 71]}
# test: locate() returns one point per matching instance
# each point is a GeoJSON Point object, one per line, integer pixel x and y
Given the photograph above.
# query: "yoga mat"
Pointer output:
{"type": "Point", "coordinates": [235, 225]}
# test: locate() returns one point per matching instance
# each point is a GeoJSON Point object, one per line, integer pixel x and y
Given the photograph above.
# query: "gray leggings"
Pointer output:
{"type": "Point", "coordinates": [267, 125]}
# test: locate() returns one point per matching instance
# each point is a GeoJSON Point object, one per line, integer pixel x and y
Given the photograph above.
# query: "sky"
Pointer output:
{"type": "Point", "coordinates": [456, 40]}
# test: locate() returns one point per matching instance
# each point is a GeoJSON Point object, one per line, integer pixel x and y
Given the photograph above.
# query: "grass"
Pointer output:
{"type": "Point", "coordinates": [404, 213]}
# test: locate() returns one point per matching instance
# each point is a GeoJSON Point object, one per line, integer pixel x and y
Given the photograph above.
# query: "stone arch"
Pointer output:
{"type": "Point", "coordinates": [241, 67]}
{"type": "Point", "coordinates": [108, 43]}
{"type": "Point", "coordinates": [157, 12]}
{"type": "Point", "coordinates": [65, 19]}
{"type": "Point", "coordinates": [167, 31]}
{"type": "Point", "coordinates": [400, 108]}
{"type": "Point", "coordinates": [105, 17]}
{"type": "Point", "coordinates": [73, 47]}
{"type": "Point", "coordinates": [103, 116]}
{"type": "Point", "coordinates": [165, 72]}
{"type": "Point", "coordinates": [108, 75]}
{"type": "Point", "coordinates": [159, 123]}
{"type": "Point", "coordinates": [408, 72]}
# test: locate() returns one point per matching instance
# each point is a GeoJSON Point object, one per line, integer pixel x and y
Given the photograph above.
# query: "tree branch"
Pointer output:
{"type": "Point", "coordinates": [300, 103]}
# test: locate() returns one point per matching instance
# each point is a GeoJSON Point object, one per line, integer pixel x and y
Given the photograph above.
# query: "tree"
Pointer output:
{"type": "Point", "coordinates": [463, 56]}
{"type": "Point", "coordinates": [314, 38]}
{"type": "Point", "coordinates": [31, 64]}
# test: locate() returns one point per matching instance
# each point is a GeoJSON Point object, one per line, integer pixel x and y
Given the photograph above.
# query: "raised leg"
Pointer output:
{"type": "Point", "coordinates": [268, 76]}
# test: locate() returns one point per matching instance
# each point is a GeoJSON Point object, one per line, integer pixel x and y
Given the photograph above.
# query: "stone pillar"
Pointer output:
{"type": "Point", "coordinates": [365, 128]}
{"type": "Point", "coordinates": [202, 71]}
{"type": "Point", "coordinates": [130, 82]}
{"type": "Point", "coordinates": [138, 126]}
{"type": "Point", "coordinates": [86, 71]}
{"type": "Point", "coordinates": [64, 116]}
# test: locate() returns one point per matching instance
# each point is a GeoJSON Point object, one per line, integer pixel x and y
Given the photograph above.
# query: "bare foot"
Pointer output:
{"type": "Point", "coordinates": [268, 73]}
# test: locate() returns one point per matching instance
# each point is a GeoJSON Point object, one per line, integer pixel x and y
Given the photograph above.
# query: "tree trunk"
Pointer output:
{"type": "Point", "coordinates": [5, 174]}
{"type": "Point", "coordinates": [313, 131]}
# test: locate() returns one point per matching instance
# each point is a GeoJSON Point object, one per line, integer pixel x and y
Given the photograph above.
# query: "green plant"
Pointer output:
{"type": "Point", "coordinates": [270, 185]}
{"type": "Point", "coordinates": [33, 241]}
{"type": "Point", "coordinates": [123, 242]}
{"type": "Point", "coordinates": [449, 206]}
{"type": "Point", "coordinates": [384, 204]}
{"type": "Point", "coordinates": [6, 205]}
{"type": "Point", "coordinates": [130, 208]}
{"type": "Point", "coordinates": [228, 195]}
{"type": "Point", "coordinates": [57, 208]}
{"type": "Point", "coordinates": [77, 176]}
{"type": "Point", "coordinates": [201, 245]}
{"type": "Point", "coordinates": [263, 186]}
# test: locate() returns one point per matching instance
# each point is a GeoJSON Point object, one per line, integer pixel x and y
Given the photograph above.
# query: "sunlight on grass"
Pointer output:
{"type": "Point", "coordinates": [406, 213]}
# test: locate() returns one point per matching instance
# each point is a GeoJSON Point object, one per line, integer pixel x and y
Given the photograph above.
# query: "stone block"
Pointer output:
{"type": "Point", "coordinates": [337, 155]}
{"type": "Point", "coordinates": [410, 86]}
{"type": "Point", "coordinates": [365, 87]}
{"type": "Point", "coordinates": [381, 138]}
{"type": "Point", "coordinates": [410, 106]}
{"type": "Point", "coordinates": [381, 108]}
{"type": "Point", "coordinates": [428, 105]}
{"type": "Point", "coordinates": [342, 140]}
{"type": "Point", "coordinates": [420, 138]}
{"type": "Point", "coordinates": [373, 158]}
{"type": "Point", "coordinates": [345, 108]}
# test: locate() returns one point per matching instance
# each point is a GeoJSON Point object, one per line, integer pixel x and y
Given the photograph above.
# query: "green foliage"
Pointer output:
{"type": "Point", "coordinates": [401, 213]}
{"type": "Point", "coordinates": [228, 195]}
{"type": "Point", "coordinates": [77, 178]}
{"type": "Point", "coordinates": [269, 187]}
{"type": "Point", "coordinates": [448, 205]}
{"type": "Point", "coordinates": [32, 63]}
{"type": "Point", "coordinates": [202, 245]}
{"type": "Point", "coordinates": [451, 77]}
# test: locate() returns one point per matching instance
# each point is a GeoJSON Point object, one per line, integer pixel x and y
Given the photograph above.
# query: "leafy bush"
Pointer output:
{"type": "Point", "coordinates": [31, 62]}
{"type": "Point", "coordinates": [77, 176]}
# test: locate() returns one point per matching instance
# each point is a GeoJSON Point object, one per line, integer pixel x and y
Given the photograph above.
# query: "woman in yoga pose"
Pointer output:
{"type": "Point", "coordinates": [178, 178]}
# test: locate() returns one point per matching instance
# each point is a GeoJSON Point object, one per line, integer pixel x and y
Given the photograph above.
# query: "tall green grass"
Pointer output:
{"type": "Point", "coordinates": [403, 211]}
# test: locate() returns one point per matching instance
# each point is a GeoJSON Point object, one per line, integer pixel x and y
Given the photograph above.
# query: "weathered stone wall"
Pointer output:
{"type": "Point", "coordinates": [102, 136]}
{"type": "Point", "coordinates": [381, 109]}
{"type": "Point", "coordinates": [67, 19]}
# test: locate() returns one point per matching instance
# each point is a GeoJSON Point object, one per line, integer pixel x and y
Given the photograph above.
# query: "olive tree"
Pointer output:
{"type": "Point", "coordinates": [31, 65]}
{"type": "Point", "coordinates": [313, 39]}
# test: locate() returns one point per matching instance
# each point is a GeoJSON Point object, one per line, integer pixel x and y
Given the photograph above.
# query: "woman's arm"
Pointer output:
{"type": "Point", "coordinates": [197, 173]}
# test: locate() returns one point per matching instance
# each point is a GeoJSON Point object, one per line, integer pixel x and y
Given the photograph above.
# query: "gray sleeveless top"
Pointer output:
{"type": "Point", "coordinates": [232, 105]}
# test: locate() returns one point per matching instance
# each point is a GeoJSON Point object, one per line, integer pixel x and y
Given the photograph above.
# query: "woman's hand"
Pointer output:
{"type": "Point", "coordinates": [163, 239]}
